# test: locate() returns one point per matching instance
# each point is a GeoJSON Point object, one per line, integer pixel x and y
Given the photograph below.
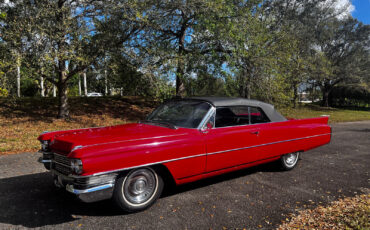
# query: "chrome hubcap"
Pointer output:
{"type": "Point", "coordinates": [291, 159]}
{"type": "Point", "coordinates": [140, 186]}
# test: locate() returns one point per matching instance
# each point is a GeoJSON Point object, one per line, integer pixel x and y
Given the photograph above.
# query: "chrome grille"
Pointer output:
{"type": "Point", "coordinates": [62, 164]}
{"type": "Point", "coordinates": [62, 169]}
{"type": "Point", "coordinates": [62, 160]}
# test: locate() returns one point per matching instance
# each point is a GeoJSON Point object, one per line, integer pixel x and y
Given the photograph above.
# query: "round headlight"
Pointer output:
{"type": "Point", "coordinates": [45, 145]}
{"type": "Point", "coordinates": [76, 166]}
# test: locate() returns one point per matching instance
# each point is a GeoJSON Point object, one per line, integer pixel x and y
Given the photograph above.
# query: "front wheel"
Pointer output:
{"type": "Point", "coordinates": [138, 189]}
{"type": "Point", "coordinates": [289, 161]}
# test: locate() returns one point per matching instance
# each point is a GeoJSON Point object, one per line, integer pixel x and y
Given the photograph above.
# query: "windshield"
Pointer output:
{"type": "Point", "coordinates": [187, 114]}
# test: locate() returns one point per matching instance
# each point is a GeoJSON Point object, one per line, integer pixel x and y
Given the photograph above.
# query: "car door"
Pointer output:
{"type": "Point", "coordinates": [232, 139]}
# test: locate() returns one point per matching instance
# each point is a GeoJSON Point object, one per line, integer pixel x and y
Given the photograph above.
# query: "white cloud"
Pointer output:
{"type": "Point", "coordinates": [7, 3]}
{"type": "Point", "coordinates": [343, 8]}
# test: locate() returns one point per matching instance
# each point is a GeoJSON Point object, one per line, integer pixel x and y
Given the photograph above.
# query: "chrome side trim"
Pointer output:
{"type": "Point", "coordinates": [71, 189]}
{"type": "Point", "coordinates": [271, 143]}
{"type": "Point", "coordinates": [205, 154]}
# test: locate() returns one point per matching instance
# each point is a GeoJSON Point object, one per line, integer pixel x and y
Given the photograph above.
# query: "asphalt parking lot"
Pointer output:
{"type": "Point", "coordinates": [258, 197]}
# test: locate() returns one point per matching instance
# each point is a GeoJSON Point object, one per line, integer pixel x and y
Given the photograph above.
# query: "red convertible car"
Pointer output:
{"type": "Point", "coordinates": [183, 140]}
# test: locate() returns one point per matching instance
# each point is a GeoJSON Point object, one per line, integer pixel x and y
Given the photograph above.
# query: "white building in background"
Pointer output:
{"type": "Point", "coordinates": [304, 97]}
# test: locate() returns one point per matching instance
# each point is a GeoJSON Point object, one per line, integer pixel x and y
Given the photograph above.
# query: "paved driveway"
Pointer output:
{"type": "Point", "coordinates": [257, 197]}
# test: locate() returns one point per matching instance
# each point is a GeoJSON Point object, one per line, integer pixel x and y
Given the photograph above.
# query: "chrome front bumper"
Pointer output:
{"type": "Point", "coordinates": [87, 189]}
{"type": "Point", "coordinates": [82, 186]}
{"type": "Point", "coordinates": [70, 188]}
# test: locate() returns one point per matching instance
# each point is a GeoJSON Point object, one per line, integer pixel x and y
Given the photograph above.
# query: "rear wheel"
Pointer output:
{"type": "Point", "coordinates": [289, 161]}
{"type": "Point", "coordinates": [138, 189]}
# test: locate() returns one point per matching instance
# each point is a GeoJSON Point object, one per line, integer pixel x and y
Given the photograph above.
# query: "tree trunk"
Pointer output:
{"type": "Point", "coordinates": [46, 90]}
{"type": "Point", "coordinates": [248, 87]}
{"type": "Point", "coordinates": [63, 111]}
{"type": "Point", "coordinates": [106, 83]}
{"type": "Point", "coordinates": [42, 89]}
{"type": "Point", "coordinates": [325, 94]}
{"type": "Point", "coordinates": [325, 98]}
{"type": "Point", "coordinates": [180, 86]}
{"type": "Point", "coordinates": [79, 85]}
{"type": "Point", "coordinates": [245, 86]}
{"type": "Point", "coordinates": [18, 80]}
{"type": "Point", "coordinates": [242, 84]}
{"type": "Point", "coordinates": [54, 89]}
{"type": "Point", "coordinates": [242, 88]}
{"type": "Point", "coordinates": [313, 92]}
{"type": "Point", "coordinates": [62, 92]}
{"type": "Point", "coordinates": [295, 95]}
{"type": "Point", "coordinates": [85, 83]}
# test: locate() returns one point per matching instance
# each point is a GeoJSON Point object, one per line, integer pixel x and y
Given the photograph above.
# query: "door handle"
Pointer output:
{"type": "Point", "coordinates": [255, 132]}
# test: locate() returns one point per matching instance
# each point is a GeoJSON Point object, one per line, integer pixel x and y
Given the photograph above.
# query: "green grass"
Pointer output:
{"type": "Point", "coordinates": [336, 114]}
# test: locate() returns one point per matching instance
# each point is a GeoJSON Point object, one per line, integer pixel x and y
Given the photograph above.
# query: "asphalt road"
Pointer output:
{"type": "Point", "coordinates": [253, 198]}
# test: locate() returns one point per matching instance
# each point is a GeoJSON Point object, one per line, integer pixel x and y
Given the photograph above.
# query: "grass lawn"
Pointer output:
{"type": "Point", "coordinates": [22, 120]}
{"type": "Point", "coordinates": [336, 114]}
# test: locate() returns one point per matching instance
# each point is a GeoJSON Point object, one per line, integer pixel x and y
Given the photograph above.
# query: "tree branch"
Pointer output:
{"type": "Point", "coordinates": [76, 71]}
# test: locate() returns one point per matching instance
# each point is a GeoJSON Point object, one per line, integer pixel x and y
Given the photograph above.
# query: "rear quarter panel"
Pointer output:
{"type": "Point", "coordinates": [294, 135]}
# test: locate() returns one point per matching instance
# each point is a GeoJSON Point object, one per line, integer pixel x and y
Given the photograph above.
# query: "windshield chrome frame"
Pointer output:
{"type": "Point", "coordinates": [208, 115]}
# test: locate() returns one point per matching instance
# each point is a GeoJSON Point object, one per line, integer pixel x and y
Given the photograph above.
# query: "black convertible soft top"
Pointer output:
{"type": "Point", "coordinates": [269, 109]}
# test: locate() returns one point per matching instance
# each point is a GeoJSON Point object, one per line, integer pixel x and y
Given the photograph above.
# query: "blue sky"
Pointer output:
{"type": "Point", "coordinates": [362, 10]}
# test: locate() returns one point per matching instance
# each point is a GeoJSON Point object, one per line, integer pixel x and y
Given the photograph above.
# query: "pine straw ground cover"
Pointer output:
{"type": "Point", "coordinates": [22, 120]}
{"type": "Point", "coordinates": [346, 213]}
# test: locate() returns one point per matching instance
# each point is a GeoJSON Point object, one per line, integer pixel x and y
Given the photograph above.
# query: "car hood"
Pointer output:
{"type": "Point", "coordinates": [64, 143]}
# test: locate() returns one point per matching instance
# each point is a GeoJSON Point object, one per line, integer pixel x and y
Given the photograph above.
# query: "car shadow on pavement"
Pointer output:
{"type": "Point", "coordinates": [33, 201]}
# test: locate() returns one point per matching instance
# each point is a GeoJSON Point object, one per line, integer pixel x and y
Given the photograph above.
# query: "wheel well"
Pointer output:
{"type": "Point", "coordinates": [165, 174]}
{"type": "Point", "coordinates": [161, 170]}
{"type": "Point", "coordinates": [299, 151]}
